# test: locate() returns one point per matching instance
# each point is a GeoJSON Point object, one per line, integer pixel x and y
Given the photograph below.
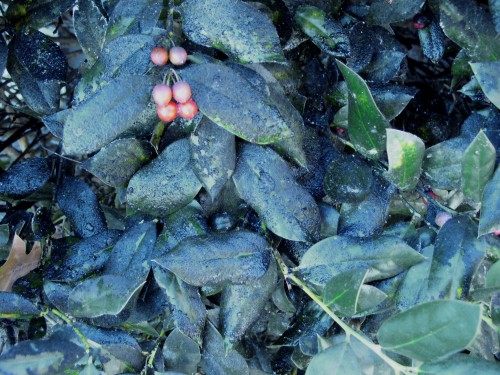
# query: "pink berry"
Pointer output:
{"type": "Point", "coordinates": [181, 92]}
{"type": "Point", "coordinates": [167, 113]}
{"type": "Point", "coordinates": [188, 110]}
{"type": "Point", "coordinates": [178, 55]}
{"type": "Point", "coordinates": [162, 94]}
{"type": "Point", "coordinates": [159, 56]}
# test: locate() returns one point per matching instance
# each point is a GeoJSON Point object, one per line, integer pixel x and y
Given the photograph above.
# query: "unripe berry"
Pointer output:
{"type": "Point", "coordinates": [178, 55]}
{"type": "Point", "coordinates": [168, 112]}
{"type": "Point", "coordinates": [188, 110]}
{"type": "Point", "coordinates": [159, 56]}
{"type": "Point", "coordinates": [162, 94]}
{"type": "Point", "coordinates": [441, 218]}
{"type": "Point", "coordinates": [181, 92]}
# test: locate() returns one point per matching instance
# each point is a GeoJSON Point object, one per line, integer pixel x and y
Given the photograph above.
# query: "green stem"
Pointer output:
{"type": "Point", "coordinates": [152, 355]}
{"type": "Point", "coordinates": [77, 331]}
{"type": "Point", "coordinates": [377, 349]}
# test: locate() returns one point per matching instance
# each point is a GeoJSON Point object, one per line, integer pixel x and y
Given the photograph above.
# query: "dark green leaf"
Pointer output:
{"type": "Point", "coordinates": [348, 180]}
{"type": "Point", "coordinates": [213, 151]}
{"type": "Point", "coordinates": [392, 99]}
{"type": "Point", "coordinates": [384, 13]}
{"type": "Point", "coordinates": [456, 255]}
{"type": "Point", "coordinates": [243, 33]}
{"type": "Point", "coordinates": [385, 256]}
{"type": "Point", "coordinates": [57, 294]}
{"type": "Point", "coordinates": [487, 76]}
{"type": "Point", "coordinates": [405, 152]}
{"type": "Point", "coordinates": [52, 356]}
{"type": "Point", "coordinates": [241, 305]}
{"type": "Point", "coordinates": [325, 32]}
{"type": "Point", "coordinates": [36, 13]}
{"type": "Point", "coordinates": [432, 41]}
{"type": "Point", "coordinates": [367, 125]}
{"type": "Point", "coordinates": [80, 205]}
{"type": "Point", "coordinates": [90, 28]}
{"type": "Point", "coordinates": [3, 56]}
{"type": "Point", "coordinates": [186, 306]}
{"type": "Point", "coordinates": [55, 122]}
{"type": "Point", "coordinates": [215, 361]}
{"type": "Point", "coordinates": [181, 353]}
{"type": "Point", "coordinates": [342, 292]}
{"type": "Point", "coordinates": [165, 185]}
{"type": "Point", "coordinates": [237, 257]}
{"type": "Point", "coordinates": [120, 107]}
{"type": "Point", "coordinates": [229, 100]}
{"type": "Point", "coordinates": [102, 295]}
{"type": "Point", "coordinates": [124, 56]}
{"type": "Point", "coordinates": [25, 177]}
{"type": "Point", "coordinates": [133, 17]}
{"type": "Point", "coordinates": [478, 165]}
{"type": "Point", "coordinates": [432, 330]}
{"type": "Point", "coordinates": [14, 306]}
{"type": "Point", "coordinates": [460, 364]}
{"type": "Point", "coordinates": [460, 68]}
{"type": "Point", "coordinates": [329, 220]}
{"type": "Point", "coordinates": [265, 181]}
{"type": "Point", "coordinates": [117, 162]}
{"type": "Point", "coordinates": [490, 211]}
{"type": "Point", "coordinates": [468, 25]}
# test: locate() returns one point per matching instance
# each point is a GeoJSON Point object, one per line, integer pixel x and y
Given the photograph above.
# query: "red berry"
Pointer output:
{"type": "Point", "coordinates": [420, 21]}
{"type": "Point", "coordinates": [188, 110]}
{"type": "Point", "coordinates": [159, 56]}
{"type": "Point", "coordinates": [181, 92]}
{"type": "Point", "coordinates": [162, 94]}
{"type": "Point", "coordinates": [178, 55]}
{"type": "Point", "coordinates": [168, 112]}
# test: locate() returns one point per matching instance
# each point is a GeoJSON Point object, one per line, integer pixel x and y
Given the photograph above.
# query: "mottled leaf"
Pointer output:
{"type": "Point", "coordinates": [244, 34]}
{"type": "Point", "coordinates": [241, 305]}
{"type": "Point", "coordinates": [90, 28]}
{"type": "Point", "coordinates": [229, 100]}
{"type": "Point", "coordinates": [487, 75]}
{"type": "Point", "coordinates": [431, 330]}
{"type": "Point", "coordinates": [265, 181]}
{"type": "Point", "coordinates": [490, 206]}
{"type": "Point", "coordinates": [432, 41]}
{"type": "Point", "coordinates": [478, 164]}
{"type": "Point", "coordinates": [237, 257]}
{"type": "Point", "coordinates": [124, 98]}
{"type": "Point", "coordinates": [25, 177]}
{"type": "Point", "coordinates": [385, 256]}
{"type": "Point", "coordinates": [117, 162]}
{"type": "Point", "coordinates": [325, 32]}
{"type": "Point", "coordinates": [213, 151]}
{"type": "Point", "coordinates": [405, 152]}
{"type": "Point", "coordinates": [165, 185]}
{"type": "Point", "coordinates": [181, 353]}
{"type": "Point", "coordinates": [367, 125]}
{"type": "Point", "coordinates": [13, 306]}
{"type": "Point", "coordinates": [80, 205]}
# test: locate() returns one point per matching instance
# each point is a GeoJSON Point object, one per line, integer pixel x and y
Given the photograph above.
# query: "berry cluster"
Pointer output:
{"type": "Point", "coordinates": [183, 106]}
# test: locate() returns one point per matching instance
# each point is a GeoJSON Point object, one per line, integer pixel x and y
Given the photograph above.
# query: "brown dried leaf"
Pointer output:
{"type": "Point", "coordinates": [19, 263]}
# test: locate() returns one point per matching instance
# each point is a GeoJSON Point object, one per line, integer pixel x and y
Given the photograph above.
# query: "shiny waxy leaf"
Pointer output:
{"type": "Point", "coordinates": [117, 162]}
{"type": "Point", "coordinates": [456, 255]}
{"type": "Point", "coordinates": [367, 125]}
{"type": "Point", "coordinates": [25, 177]}
{"type": "Point", "coordinates": [432, 330]}
{"type": "Point", "coordinates": [471, 27]}
{"type": "Point", "coordinates": [265, 181]}
{"type": "Point", "coordinates": [243, 33]}
{"type": "Point", "coordinates": [385, 256]}
{"type": "Point", "coordinates": [325, 32]}
{"type": "Point", "coordinates": [384, 13]}
{"type": "Point", "coordinates": [405, 152]}
{"type": "Point", "coordinates": [124, 98]}
{"type": "Point", "coordinates": [90, 27]}
{"type": "Point", "coordinates": [52, 356]}
{"type": "Point", "coordinates": [490, 206]}
{"type": "Point", "coordinates": [213, 151]}
{"type": "Point", "coordinates": [133, 17]}
{"type": "Point", "coordinates": [488, 78]}
{"type": "Point", "coordinates": [215, 360]}
{"type": "Point", "coordinates": [14, 306]}
{"type": "Point", "coordinates": [432, 41]}
{"type": "Point", "coordinates": [460, 364]}
{"type": "Point", "coordinates": [165, 185]}
{"type": "Point", "coordinates": [220, 258]}
{"type": "Point", "coordinates": [478, 165]}
{"type": "Point", "coordinates": [80, 205]}
{"type": "Point", "coordinates": [181, 353]}
{"type": "Point", "coordinates": [241, 305]}
{"type": "Point", "coordinates": [229, 100]}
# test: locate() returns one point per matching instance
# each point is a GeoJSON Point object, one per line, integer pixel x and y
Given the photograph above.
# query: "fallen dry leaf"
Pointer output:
{"type": "Point", "coordinates": [19, 263]}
